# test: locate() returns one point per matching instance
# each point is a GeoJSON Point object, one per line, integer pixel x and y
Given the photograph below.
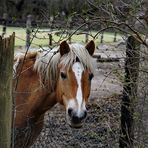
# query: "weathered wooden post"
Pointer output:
{"type": "Point", "coordinates": [70, 27]}
{"type": "Point", "coordinates": [115, 36]}
{"type": "Point", "coordinates": [50, 39]}
{"type": "Point", "coordinates": [102, 36]}
{"type": "Point", "coordinates": [86, 35]}
{"type": "Point", "coordinates": [129, 93]}
{"type": "Point", "coordinates": [6, 70]}
{"type": "Point", "coordinates": [28, 30]}
{"type": "Point", "coordinates": [4, 24]}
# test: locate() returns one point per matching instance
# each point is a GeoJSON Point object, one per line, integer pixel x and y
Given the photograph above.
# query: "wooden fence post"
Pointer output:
{"type": "Point", "coordinates": [6, 70]}
{"type": "Point", "coordinates": [28, 30]}
{"type": "Point", "coordinates": [50, 39]}
{"type": "Point", "coordinates": [69, 28]}
{"type": "Point", "coordinates": [102, 36]}
{"type": "Point", "coordinates": [129, 93]}
{"type": "Point", "coordinates": [115, 36]}
{"type": "Point", "coordinates": [86, 35]}
{"type": "Point", "coordinates": [4, 24]}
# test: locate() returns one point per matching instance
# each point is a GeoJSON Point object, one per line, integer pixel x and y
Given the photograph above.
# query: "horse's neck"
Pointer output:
{"type": "Point", "coordinates": [49, 101]}
{"type": "Point", "coordinates": [32, 100]}
{"type": "Point", "coordinates": [31, 103]}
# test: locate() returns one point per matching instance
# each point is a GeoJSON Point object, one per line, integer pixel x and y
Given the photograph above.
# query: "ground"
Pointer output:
{"type": "Point", "coordinates": [101, 129]}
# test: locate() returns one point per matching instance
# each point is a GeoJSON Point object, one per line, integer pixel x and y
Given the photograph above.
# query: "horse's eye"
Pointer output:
{"type": "Point", "coordinates": [63, 75]}
{"type": "Point", "coordinates": [91, 76]}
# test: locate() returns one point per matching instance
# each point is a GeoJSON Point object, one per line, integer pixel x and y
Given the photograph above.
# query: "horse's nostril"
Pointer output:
{"type": "Point", "coordinates": [76, 119]}
{"type": "Point", "coordinates": [70, 112]}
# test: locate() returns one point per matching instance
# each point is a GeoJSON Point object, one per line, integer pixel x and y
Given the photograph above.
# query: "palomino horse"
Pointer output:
{"type": "Point", "coordinates": [63, 76]}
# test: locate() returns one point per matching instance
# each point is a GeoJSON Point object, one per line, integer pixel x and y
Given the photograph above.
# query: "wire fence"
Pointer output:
{"type": "Point", "coordinates": [102, 127]}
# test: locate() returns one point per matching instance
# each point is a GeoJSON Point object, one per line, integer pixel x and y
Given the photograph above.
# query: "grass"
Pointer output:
{"type": "Point", "coordinates": [43, 40]}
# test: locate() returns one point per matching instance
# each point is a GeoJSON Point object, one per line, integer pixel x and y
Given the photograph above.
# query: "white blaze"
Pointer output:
{"type": "Point", "coordinates": [78, 70]}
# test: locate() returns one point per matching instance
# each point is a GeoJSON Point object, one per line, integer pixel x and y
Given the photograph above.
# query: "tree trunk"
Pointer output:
{"type": "Point", "coordinates": [28, 31]}
{"type": "Point", "coordinates": [129, 93]}
{"type": "Point", "coordinates": [6, 68]}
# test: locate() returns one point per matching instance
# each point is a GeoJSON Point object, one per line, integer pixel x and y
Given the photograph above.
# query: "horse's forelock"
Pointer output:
{"type": "Point", "coordinates": [78, 53]}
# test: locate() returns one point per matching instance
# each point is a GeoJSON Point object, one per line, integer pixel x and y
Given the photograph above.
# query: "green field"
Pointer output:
{"type": "Point", "coordinates": [42, 38]}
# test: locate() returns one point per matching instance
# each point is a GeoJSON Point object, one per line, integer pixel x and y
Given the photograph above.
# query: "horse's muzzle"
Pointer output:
{"type": "Point", "coordinates": [76, 121]}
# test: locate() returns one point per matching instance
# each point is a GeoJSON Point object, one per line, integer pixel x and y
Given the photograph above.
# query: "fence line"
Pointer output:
{"type": "Point", "coordinates": [29, 29]}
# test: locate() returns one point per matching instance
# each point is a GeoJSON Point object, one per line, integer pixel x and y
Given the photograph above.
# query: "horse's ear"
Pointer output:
{"type": "Point", "coordinates": [90, 47]}
{"type": "Point", "coordinates": [64, 48]}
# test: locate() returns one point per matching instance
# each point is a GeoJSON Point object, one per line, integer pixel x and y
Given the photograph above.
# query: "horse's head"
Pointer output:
{"type": "Point", "coordinates": [74, 81]}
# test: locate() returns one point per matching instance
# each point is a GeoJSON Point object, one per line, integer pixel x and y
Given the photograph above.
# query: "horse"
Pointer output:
{"type": "Point", "coordinates": [41, 80]}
